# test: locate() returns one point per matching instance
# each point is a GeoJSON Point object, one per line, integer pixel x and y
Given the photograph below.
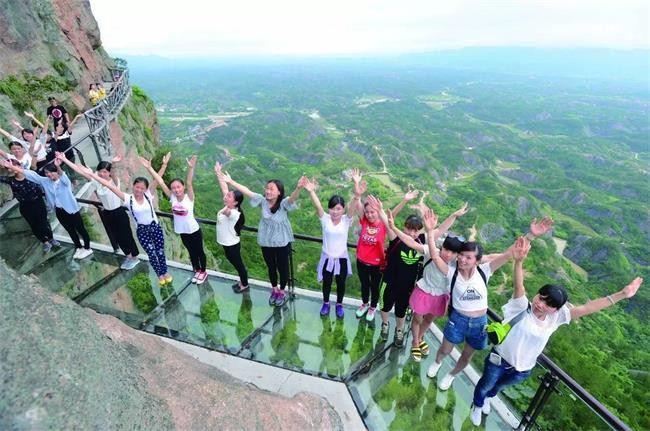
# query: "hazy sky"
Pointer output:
{"type": "Point", "coordinates": [304, 27]}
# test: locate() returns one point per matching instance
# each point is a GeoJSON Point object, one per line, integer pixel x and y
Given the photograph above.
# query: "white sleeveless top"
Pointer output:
{"type": "Point", "coordinates": [184, 221]}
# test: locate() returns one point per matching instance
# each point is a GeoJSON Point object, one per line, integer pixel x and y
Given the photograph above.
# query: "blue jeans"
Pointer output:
{"type": "Point", "coordinates": [461, 328]}
{"type": "Point", "coordinates": [495, 378]}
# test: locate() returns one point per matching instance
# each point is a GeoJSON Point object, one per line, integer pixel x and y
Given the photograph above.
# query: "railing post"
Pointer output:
{"type": "Point", "coordinates": [546, 387]}
{"type": "Point", "coordinates": [292, 293]}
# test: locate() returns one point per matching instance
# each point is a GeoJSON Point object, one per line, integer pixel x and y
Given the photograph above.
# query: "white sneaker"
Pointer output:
{"type": "Point", "coordinates": [84, 252]}
{"type": "Point", "coordinates": [433, 369]}
{"type": "Point", "coordinates": [195, 277]}
{"type": "Point", "coordinates": [370, 315]}
{"type": "Point", "coordinates": [475, 415]}
{"type": "Point", "coordinates": [445, 382]}
{"type": "Point", "coordinates": [487, 408]}
{"type": "Point", "coordinates": [76, 253]}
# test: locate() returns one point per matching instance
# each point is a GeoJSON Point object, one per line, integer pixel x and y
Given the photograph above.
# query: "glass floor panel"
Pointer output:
{"type": "Point", "coordinates": [298, 338]}
{"type": "Point", "coordinates": [394, 393]}
{"type": "Point", "coordinates": [69, 277]}
{"type": "Point", "coordinates": [133, 295]}
{"type": "Point", "coordinates": [214, 316]}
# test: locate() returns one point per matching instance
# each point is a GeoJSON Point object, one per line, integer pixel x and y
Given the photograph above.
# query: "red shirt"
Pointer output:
{"type": "Point", "coordinates": [370, 248]}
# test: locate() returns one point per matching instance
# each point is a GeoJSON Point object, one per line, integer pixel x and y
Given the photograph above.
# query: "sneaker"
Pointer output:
{"type": "Point", "coordinates": [399, 338]}
{"type": "Point", "coordinates": [55, 243]}
{"type": "Point", "coordinates": [325, 309]}
{"type": "Point", "coordinates": [445, 382]}
{"type": "Point", "coordinates": [339, 311]}
{"type": "Point", "coordinates": [384, 331]}
{"type": "Point", "coordinates": [433, 369]}
{"type": "Point", "coordinates": [130, 263]}
{"type": "Point", "coordinates": [274, 294]}
{"type": "Point", "coordinates": [370, 316]}
{"type": "Point", "coordinates": [362, 310]}
{"type": "Point", "coordinates": [76, 253]}
{"type": "Point", "coordinates": [487, 408]}
{"type": "Point", "coordinates": [235, 287]}
{"type": "Point", "coordinates": [475, 415]}
{"type": "Point", "coordinates": [85, 252]}
{"type": "Point", "coordinates": [47, 247]}
{"type": "Point", "coordinates": [201, 277]}
{"type": "Point", "coordinates": [281, 298]}
{"type": "Point", "coordinates": [195, 277]}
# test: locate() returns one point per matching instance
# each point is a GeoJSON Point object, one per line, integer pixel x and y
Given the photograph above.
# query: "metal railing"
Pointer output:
{"type": "Point", "coordinates": [549, 381]}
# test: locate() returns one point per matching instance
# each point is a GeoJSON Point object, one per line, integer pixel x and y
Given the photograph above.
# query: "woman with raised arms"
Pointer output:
{"type": "Point", "coordinates": [513, 360]}
{"type": "Point", "coordinates": [274, 231]}
{"type": "Point", "coordinates": [230, 221]}
{"type": "Point", "coordinates": [181, 198]}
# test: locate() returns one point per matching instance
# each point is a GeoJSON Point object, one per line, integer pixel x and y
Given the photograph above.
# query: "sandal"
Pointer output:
{"type": "Point", "coordinates": [416, 353]}
{"type": "Point", "coordinates": [424, 348]}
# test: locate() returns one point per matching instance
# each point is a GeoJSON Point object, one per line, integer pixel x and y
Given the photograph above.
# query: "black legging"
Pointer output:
{"type": "Point", "coordinates": [193, 242]}
{"type": "Point", "coordinates": [74, 225]}
{"type": "Point", "coordinates": [35, 213]}
{"type": "Point", "coordinates": [396, 294]}
{"type": "Point", "coordinates": [340, 281]}
{"type": "Point", "coordinates": [233, 254]}
{"type": "Point", "coordinates": [369, 276]}
{"type": "Point", "coordinates": [277, 260]}
{"type": "Point", "coordinates": [118, 229]}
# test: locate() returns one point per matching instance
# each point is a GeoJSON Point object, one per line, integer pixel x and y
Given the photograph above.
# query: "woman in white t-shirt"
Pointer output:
{"type": "Point", "coordinates": [148, 231]}
{"type": "Point", "coordinates": [112, 213]}
{"type": "Point", "coordinates": [181, 197]}
{"type": "Point", "coordinates": [334, 260]}
{"type": "Point", "coordinates": [513, 360]}
{"type": "Point", "coordinates": [230, 221]}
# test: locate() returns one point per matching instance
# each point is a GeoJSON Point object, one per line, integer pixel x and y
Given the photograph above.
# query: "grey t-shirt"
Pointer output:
{"type": "Point", "coordinates": [274, 228]}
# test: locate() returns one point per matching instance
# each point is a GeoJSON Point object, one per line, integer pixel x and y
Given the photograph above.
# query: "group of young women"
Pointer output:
{"type": "Point", "coordinates": [423, 266]}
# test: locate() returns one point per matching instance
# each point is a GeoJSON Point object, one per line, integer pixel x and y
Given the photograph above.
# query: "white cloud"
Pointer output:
{"type": "Point", "coordinates": [291, 27]}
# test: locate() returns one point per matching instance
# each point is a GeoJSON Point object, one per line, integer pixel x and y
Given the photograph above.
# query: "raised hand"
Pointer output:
{"type": "Point", "coordinates": [16, 123]}
{"type": "Point", "coordinates": [360, 187]}
{"type": "Point", "coordinates": [57, 160]}
{"type": "Point", "coordinates": [217, 168]}
{"type": "Point", "coordinates": [410, 195]}
{"type": "Point", "coordinates": [391, 219]}
{"type": "Point", "coordinates": [191, 162]}
{"type": "Point", "coordinates": [430, 219]}
{"type": "Point", "coordinates": [631, 289]}
{"type": "Point", "coordinates": [356, 175]}
{"type": "Point", "coordinates": [374, 202]}
{"type": "Point", "coordinates": [28, 114]}
{"type": "Point", "coordinates": [116, 159]}
{"type": "Point", "coordinates": [166, 157]}
{"type": "Point", "coordinates": [225, 176]}
{"type": "Point", "coordinates": [542, 226]}
{"type": "Point", "coordinates": [60, 156]}
{"type": "Point", "coordinates": [309, 185]}
{"type": "Point", "coordinates": [521, 248]}
{"type": "Point", "coordinates": [146, 163]}
{"type": "Point", "coordinates": [462, 210]}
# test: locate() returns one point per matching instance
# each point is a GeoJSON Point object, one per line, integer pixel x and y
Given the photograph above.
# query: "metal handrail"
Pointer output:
{"type": "Point", "coordinates": [598, 408]}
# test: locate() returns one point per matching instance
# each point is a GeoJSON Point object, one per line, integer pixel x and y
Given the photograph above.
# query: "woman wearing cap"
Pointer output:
{"type": "Point", "coordinates": [513, 360]}
{"type": "Point", "coordinates": [430, 296]}
{"type": "Point", "coordinates": [468, 297]}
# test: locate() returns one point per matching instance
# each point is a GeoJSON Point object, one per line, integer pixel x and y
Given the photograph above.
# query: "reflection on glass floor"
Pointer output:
{"type": "Point", "coordinates": [390, 390]}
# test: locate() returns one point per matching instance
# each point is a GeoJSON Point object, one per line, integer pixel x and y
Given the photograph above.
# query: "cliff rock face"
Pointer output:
{"type": "Point", "coordinates": [65, 367]}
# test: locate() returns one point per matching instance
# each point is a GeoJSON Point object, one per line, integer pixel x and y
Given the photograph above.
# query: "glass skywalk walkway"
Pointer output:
{"type": "Point", "coordinates": [390, 390]}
